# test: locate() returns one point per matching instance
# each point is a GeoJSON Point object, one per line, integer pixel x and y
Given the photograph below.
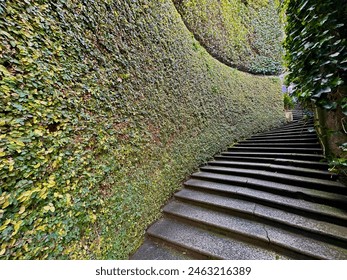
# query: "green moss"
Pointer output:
{"type": "Point", "coordinates": [105, 108]}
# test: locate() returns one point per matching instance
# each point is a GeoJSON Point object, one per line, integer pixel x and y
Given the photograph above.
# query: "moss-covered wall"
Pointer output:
{"type": "Point", "coordinates": [246, 34]}
{"type": "Point", "coordinates": [106, 106]}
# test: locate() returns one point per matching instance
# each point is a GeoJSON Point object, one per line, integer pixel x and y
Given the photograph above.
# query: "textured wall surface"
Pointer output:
{"type": "Point", "coordinates": [243, 34]}
{"type": "Point", "coordinates": [106, 106]}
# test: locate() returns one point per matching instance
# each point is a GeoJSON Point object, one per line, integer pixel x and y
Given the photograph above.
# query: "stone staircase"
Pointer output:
{"type": "Point", "coordinates": [268, 197]}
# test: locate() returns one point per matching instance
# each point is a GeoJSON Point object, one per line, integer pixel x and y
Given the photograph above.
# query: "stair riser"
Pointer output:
{"type": "Point", "coordinates": [281, 141]}
{"type": "Point", "coordinates": [334, 240]}
{"type": "Point", "coordinates": [279, 145]}
{"type": "Point", "coordinates": [297, 125]}
{"type": "Point", "coordinates": [285, 193]}
{"type": "Point", "coordinates": [178, 247]}
{"type": "Point", "coordinates": [294, 126]}
{"type": "Point", "coordinates": [288, 181]}
{"type": "Point", "coordinates": [292, 209]}
{"type": "Point", "coordinates": [206, 243]}
{"type": "Point", "coordinates": [306, 157]}
{"type": "Point", "coordinates": [315, 165]}
{"type": "Point", "coordinates": [275, 150]}
{"type": "Point", "coordinates": [263, 243]}
{"type": "Point", "coordinates": [283, 136]}
{"type": "Point", "coordinates": [284, 171]}
{"type": "Point", "coordinates": [155, 250]}
{"type": "Point", "coordinates": [287, 132]}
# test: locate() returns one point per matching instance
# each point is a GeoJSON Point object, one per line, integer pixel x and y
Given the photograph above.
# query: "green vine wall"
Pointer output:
{"type": "Point", "coordinates": [243, 34]}
{"type": "Point", "coordinates": [105, 107]}
{"type": "Point", "coordinates": [316, 58]}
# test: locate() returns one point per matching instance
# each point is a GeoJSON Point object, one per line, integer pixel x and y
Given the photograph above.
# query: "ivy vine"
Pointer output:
{"type": "Point", "coordinates": [246, 35]}
{"type": "Point", "coordinates": [316, 51]}
{"type": "Point", "coordinates": [316, 58]}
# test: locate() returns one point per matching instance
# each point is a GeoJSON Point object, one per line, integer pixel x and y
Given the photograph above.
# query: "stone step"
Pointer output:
{"type": "Point", "coordinates": [151, 250]}
{"type": "Point", "coordinates": [295, 180]}
{"type": "Point", "coordinates": [278, 161]}
{"type": "Point", "coordinates": [286, 169]}
{"type": "Point", "coordinates": [293, 205]}
{"type": "Point", "coordinates": [275, 149]}
{"type": "Point", "coordinates": [284, 130]}
{"type": "Point", "coordinates": [296, 156]}
{"type": "Point", "coordinates": [268, 197]}
{"type": "Point", "coordinates": [320, 230]}
{"type": "Point", "coordinates": [253, 231]}
{"type": "Point", "coordinates": [312, 195]}
{"type": "Point", "coordinates": [279, 141]}
{"type": "Point", "coordinates": [287, 135]}
{"type": "Point", "coordinates": [295, 124]}
{"type": "Point", "coordinates": [207, 243]}
{"type": "Point", "coordinates": [290, 130]}
{"type": "Point", "coordinates": [279, 145]}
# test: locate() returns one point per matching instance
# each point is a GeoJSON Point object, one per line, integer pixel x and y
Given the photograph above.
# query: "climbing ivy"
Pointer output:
{"type": "Point", "coordinates": [105, 107]}
{"type": "Point", "coordinates": [316, 58]}
{"type": "Point", "coordinates": [316, 51]}
{"type": "Point", "coordinates": [243, 34]}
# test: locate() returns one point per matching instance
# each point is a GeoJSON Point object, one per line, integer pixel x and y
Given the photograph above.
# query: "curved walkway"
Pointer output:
{"type": "Point", "coordinates": [268, 197]}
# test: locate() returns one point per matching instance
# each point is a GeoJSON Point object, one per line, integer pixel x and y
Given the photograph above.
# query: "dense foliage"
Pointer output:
{"type": "Point", "coordinates": [106, 106]}
{"type": "Point", "coordinates": [316, 45]}
{"type": "Point", "coordinates": [243, 34]}
{"type": "Point", "coordinates": [288, 102]}
{"type": "Point", "coordinates": [316, 57]}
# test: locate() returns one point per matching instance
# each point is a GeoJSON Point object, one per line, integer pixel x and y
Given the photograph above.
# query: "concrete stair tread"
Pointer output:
{"type": "Point", "coordinates": [279, 141]}
{"type": "Point", "coordinates": [274, 149]}
{"type": "Point", "coordinates": [235, 226]}
{"type": "Point", "coordinates": [286, 136]}
{"type": "Point", "coordinates": [275, 168]}
{"type": "Point", "coordinates": [289, 130]}
{"type": "Point", "coordinates": [274, 187]}
{"type": "Point", "coordinates": [298, 132]}
{"type": "Point", "coordinates": [294, 125]}
{"type": "Point", "coordinates": [276, 177]}
{"type": "Point", "coordinates": [278, 145]}
{"type": "Point", "coordinates": [290, 155]}
{"type": "Point", "coordinates": [151, 250]}
{"type": "Point", "coordinates": [277, 161]}
{"type": "Point", "coordinates": [278, 216]}
{"type": "Point", "coordinates": [214, 246]}
{"type": "Point", "coordinates": [274, 200]}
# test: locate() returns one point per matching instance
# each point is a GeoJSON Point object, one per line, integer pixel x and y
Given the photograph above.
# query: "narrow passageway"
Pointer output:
{"type": "Point", "coordinates": [268, 197]}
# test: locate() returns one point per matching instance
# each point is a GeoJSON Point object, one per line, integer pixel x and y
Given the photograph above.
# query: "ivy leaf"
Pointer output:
{"type": "Point", "coordinates": [18, 106]}
{"type": "Point", "coordinates": [3, 251]}
{"type": "Point", "coordinates": [320, 92]}
{"type": "Point", "coordinates": [344, 109]}
{"type": "Point", "coordinates": [334, 54]}
{"type": "Point", "coordinates": [337, 82]}
{"type": "Point", "coordinates": [21, 210]}
{"type": "Point", "coordinates": [343, 147]}
{"type": "Point", "coordinates": [330, 106]}
{"type": "Point", "coordinates": [303, 6]}
{"type": "Point", "coordinates": [16, 226]}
